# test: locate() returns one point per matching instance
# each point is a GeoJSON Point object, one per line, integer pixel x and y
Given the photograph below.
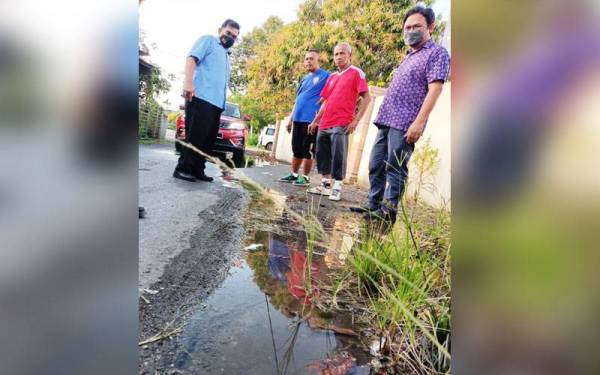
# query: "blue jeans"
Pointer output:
{"type": "Point", "coordinates": [389, 163]}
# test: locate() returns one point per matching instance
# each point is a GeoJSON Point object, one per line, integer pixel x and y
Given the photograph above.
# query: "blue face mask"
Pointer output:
{"type": "Point", "coordinates": [412, 38]}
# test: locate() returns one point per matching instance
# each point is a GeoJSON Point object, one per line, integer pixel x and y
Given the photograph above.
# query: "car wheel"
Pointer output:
{"type": "Point", "coordinates": [269, 146]}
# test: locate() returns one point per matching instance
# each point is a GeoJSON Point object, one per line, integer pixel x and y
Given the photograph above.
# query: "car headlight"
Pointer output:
{"type": "Point", "coordinates": [236, 126]}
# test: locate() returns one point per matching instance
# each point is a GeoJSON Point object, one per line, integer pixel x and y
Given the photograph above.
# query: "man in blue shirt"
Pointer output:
{"type": "Point", "coordinates": [204, 90]}
{"type": "Point", "coordinates": [306, 107]}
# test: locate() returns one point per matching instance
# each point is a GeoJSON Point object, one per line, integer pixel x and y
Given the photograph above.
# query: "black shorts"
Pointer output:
{"type": "Point", "coordinates": [303, 144]}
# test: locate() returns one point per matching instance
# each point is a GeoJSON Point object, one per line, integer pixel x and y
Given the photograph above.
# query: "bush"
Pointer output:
{"type": "Point", "coordinates": [253, 140]}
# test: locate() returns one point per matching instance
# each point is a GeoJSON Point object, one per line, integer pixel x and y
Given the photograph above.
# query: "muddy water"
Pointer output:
{"type": "Point", "coordinates": [256, 161]}
{"type": "Point", "coordinates": [260, 321]}
{"type": "Point", "coordinates": [249, 161]}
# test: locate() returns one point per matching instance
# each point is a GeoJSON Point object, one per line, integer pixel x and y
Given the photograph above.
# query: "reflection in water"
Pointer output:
{"type": "Point", "coordinates": [260, 321]}
{"type": "Point", "coordinates": [298, 272]}
{"type": "Point", "coordinates": [292, 283]}
{"type": "Point", "coordinates": [344, 230]}
{"type": "Point", "coordinates": [248, 161]}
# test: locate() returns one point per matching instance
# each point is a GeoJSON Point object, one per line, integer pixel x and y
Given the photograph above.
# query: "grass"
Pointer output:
{"type": "Point", "coordinates": [253, 140]}
{"type": "Point", "coordinates": [402, 289]}
{"type": "Point", "coordinates": [398, 279]}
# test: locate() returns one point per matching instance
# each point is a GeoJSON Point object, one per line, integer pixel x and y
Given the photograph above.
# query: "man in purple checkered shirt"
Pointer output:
{"type": "Point", "coordinates": [409, 100]}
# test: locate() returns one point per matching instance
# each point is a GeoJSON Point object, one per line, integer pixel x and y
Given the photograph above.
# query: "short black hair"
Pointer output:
{"type": "Point", "coordinates": [314, 50]}
{"type": "Point", "coordinates": [232, 23]}
{"type": "Point", "coordinates": [425, 12]}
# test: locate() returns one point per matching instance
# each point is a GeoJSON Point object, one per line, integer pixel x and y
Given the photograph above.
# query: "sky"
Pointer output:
{"type": "Point", "coordinates": [172, 26]}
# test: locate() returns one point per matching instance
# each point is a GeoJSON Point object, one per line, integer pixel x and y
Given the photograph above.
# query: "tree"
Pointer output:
{"type": "Point", "coordinates": [154, 83]}
{"type": "Point", "coordinates": [252, 106]}
{"type": "Point", "coordinates": [246, 49]}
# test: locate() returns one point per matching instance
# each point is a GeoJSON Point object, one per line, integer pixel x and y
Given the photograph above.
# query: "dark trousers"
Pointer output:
{"type": "Point", "coordinates": [389, 163]}
{"type": "Point", "coordinates": [332, 147]}
{"type": "Point", "coordinates": [201, 128]}
{"type": "Point", "coordinates": [303, 144]}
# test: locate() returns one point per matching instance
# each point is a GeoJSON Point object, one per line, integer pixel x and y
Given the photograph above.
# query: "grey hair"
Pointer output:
{"type": "Point", "coordinates": [345, 45]}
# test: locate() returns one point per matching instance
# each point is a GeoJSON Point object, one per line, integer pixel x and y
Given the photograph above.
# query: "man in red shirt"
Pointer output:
{"type": "Point", "coordinates": [336, 120]}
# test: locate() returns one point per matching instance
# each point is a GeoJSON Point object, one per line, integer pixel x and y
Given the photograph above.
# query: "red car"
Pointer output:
{"type": "Point", "coordinates": [179, 129]}
{"type": "Point", "coordinates": [233, 132]}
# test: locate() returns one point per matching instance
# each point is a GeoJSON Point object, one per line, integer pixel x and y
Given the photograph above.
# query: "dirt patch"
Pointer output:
{"type": "Point", "coordinates": [325, 210]}
{"type": "Point", "coordinates": [189, 278]}
{"type": "Point", "coordinates": [300, 201]}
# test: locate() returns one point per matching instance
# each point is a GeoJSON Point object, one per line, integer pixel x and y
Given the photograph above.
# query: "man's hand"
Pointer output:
{"type": "Point", "coordinates": [414, 132]}
{"type": "Point", "coordinates": [289, 126]}
{"type": "Point", "coordinates": [351, 126]}
{"type": "Point", "coordinates": [188, 91]}
{"type": "Point", "coordinates": [312, 128]}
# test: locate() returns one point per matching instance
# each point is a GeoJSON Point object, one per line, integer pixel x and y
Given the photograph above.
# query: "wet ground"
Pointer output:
{"type": "Point", "coordinates": [297, 197]}
{"type": "Point", "coordinates": [260, 320]}
{"type": "Point", "coordinates": [175, 210]}
{"type": "Point", "coordinates": [190, 236]}
{"type": "Point", "coordinates": [250, 310]}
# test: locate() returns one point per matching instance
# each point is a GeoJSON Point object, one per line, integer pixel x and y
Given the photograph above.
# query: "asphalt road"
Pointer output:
{"type": "Point", "coordinates": [173, 209]}
{"type": "Point", "coordinates": [189, 238]}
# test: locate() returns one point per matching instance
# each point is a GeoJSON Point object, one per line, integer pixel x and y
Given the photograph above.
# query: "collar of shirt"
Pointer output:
{"type": "Point", "coordinates": [345, 70]}
{"type": "Point", "coordinates": [428, 44]}
{"type": "Point", "coordinates": [227, 50]}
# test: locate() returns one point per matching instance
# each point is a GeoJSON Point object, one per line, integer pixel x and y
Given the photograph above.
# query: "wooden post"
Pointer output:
{"type": "Point", "coordinates": [358, 144]}
{"type": "Point", "coordinates": [276, 138]}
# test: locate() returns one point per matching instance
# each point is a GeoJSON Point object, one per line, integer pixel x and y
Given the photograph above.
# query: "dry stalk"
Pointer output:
{"type": "Point", "coordinates": [161, 336]}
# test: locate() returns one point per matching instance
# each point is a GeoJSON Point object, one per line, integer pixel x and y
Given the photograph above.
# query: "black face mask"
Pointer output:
{"type": "Point", "coordinates": [227, 41]}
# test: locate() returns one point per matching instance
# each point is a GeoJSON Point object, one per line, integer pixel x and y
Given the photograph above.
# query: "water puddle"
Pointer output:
{"type": "Point", "coordinates": [248, 161]}
{"type": "Point", "coordinates": [257, 162]}
{"type": "Point", "coordinates": [228, 176]}
{"type": "Point", "coordinates": [262, 320]}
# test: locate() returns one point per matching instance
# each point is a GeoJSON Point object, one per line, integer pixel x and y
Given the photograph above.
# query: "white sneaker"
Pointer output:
{"type": "Point", "coordinates": [321, 190]}
{"type": "Point", "coordinates": [336, 195]}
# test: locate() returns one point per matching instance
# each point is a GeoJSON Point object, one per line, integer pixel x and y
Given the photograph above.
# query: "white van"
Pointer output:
{"type": "Point", "coordinates": [267, 137]}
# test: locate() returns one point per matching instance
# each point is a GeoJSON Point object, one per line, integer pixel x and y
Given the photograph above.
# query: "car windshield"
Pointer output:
{"type": "Point", "coordinates": [232, 110]}
{"type": "Point", "coordinates": [270, 131]}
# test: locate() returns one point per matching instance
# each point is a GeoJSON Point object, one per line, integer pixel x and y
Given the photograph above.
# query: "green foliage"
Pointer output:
{"type": "Point", "coordinates": [172, 119]}
{"type": "Point", "coordinates": [251, 106]}
{"type": "Point", "coordinates": [149, 117]}
{"type": "Point", "coordinates": [172, 116]}
{"type": "Point", "coordinates": [253, 139]}
{"type": "Point", "coordinates": [246, 49]}
{"type": "Point", "coordinates": [425, 161]}
{"type": "Point", "coordinates": [407, 286]}
{"type": "Point", "coordinates": [154, 83]}
{"type": "Point", "coordinates": [403, 278]}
